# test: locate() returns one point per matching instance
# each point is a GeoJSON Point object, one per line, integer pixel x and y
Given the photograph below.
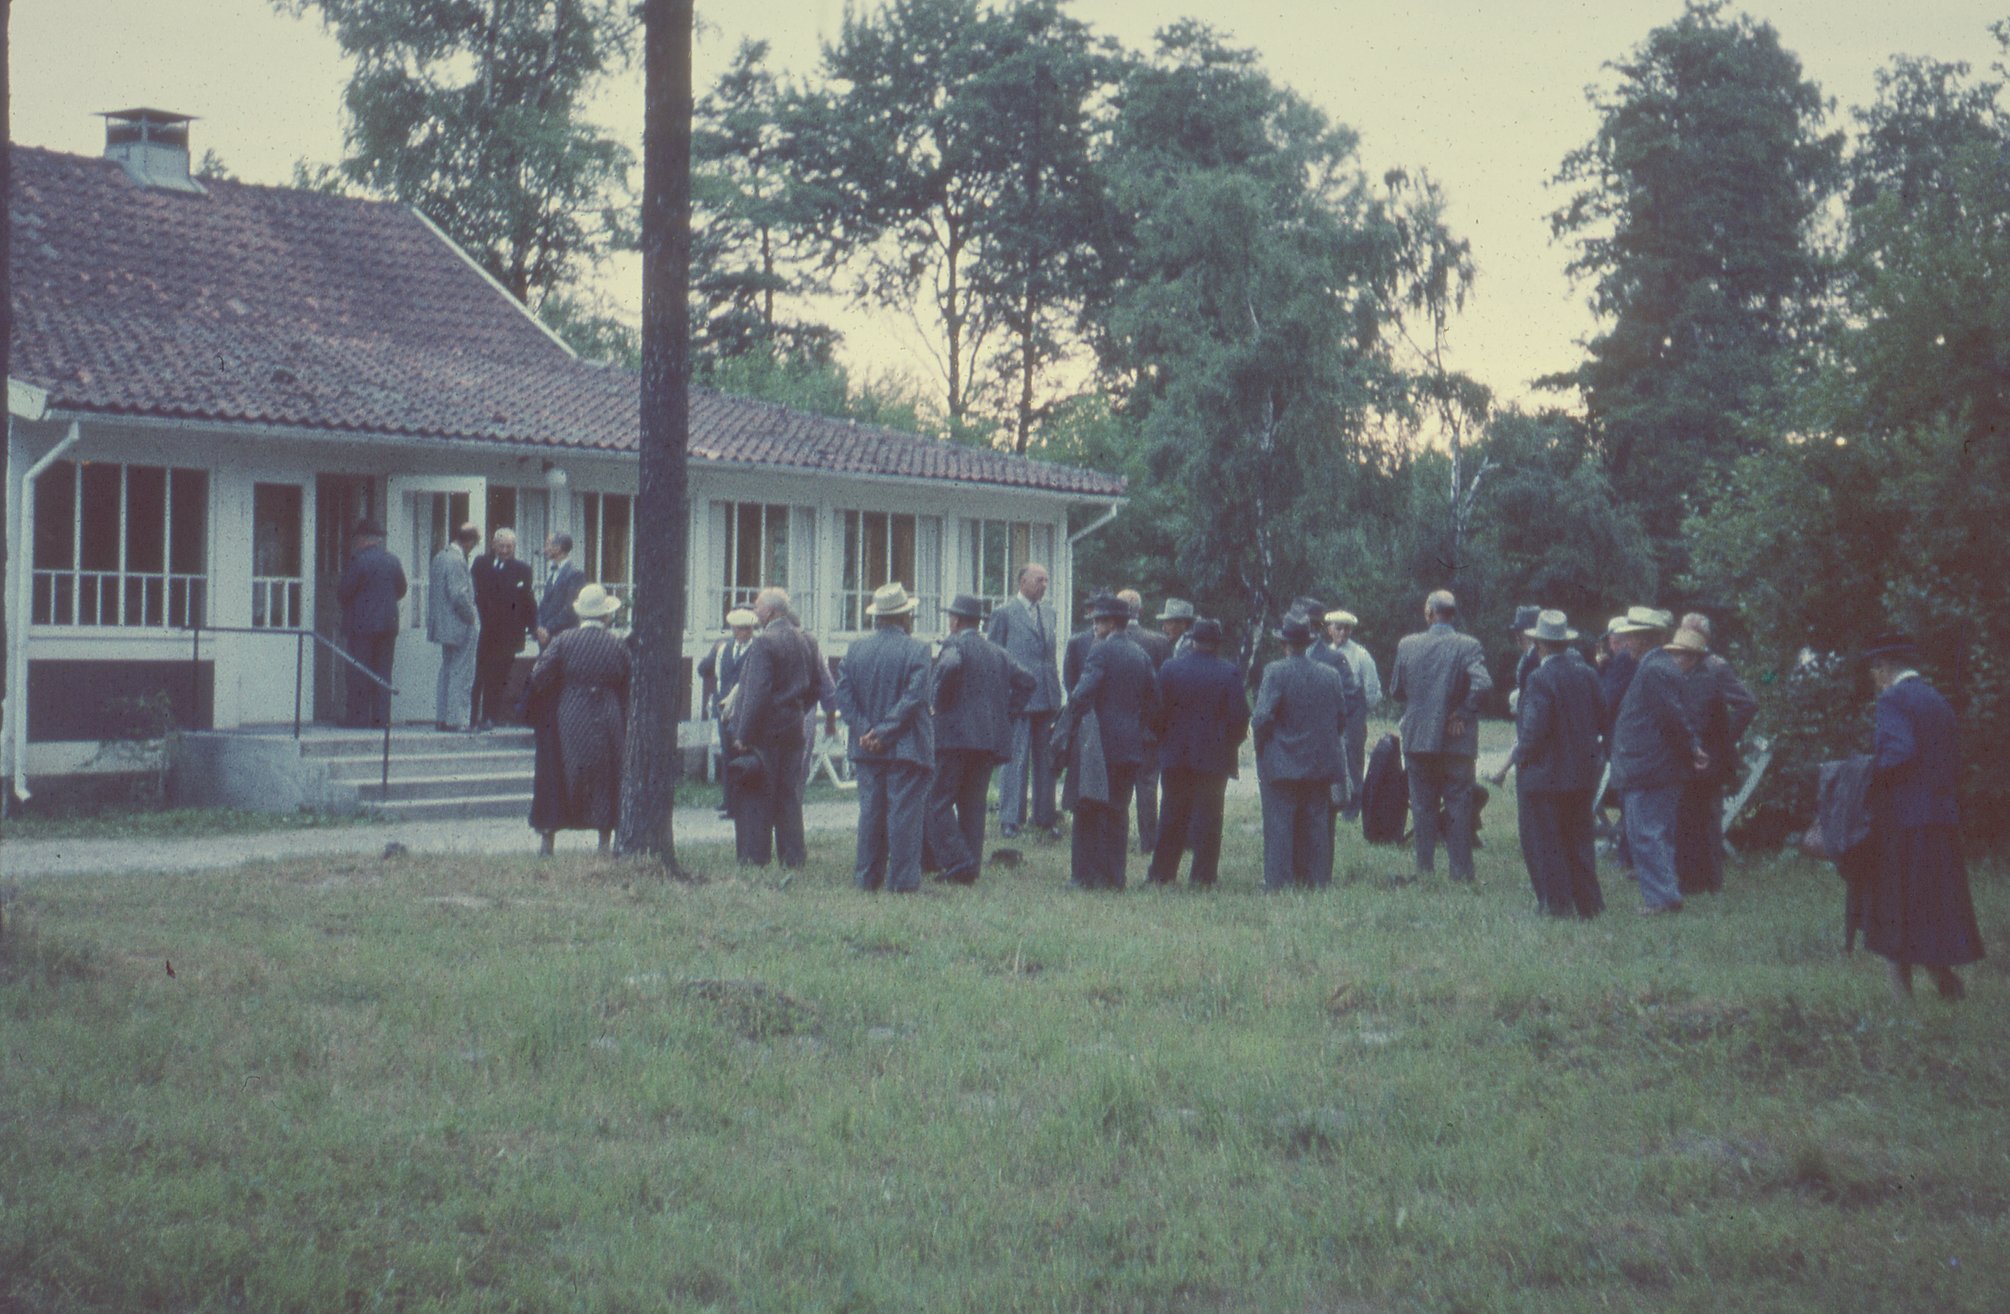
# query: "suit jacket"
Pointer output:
{"type": "Point", "coordinates": [978, 689]}
{"type": "Point", "coordinates": [1655, 737]}
{"type": "Point", "coordinates": [1077, 657]}
{"type": "Point", "coordinates": [1365, 673]}
{"type": "Point", "coordinates": [1300, 721]}
{"type": "Point", "coordinates": [720, 669]}
{"type": "Point", "coordinates": [1118, 685]}
{"type": "Point", "coordinates": [1722, 708]}
{"type": "Point", "coordinates": [1614, 681]}
{"type": "Point", "coordinates": [554, 609]}
{"type": "Point", "coordinates": [1157, 645]}
{"type": "Point", "coordinates": [776, 686]}
{"type": "Point", "coordinates": [505, 599]}
{"type": "Point", "coordinates": [1204, 715]}
{"type": "Point", "coordinates": [1557, 732]}
{"type": "Point", "coordinates": [883, 686]}
{"type": "Point", "coordinates": [1918, 760]}
{"type": "Point", "coordinates": [1336, 660]}
{"type": "Point", "coordinates": [1439, 672]}
{"type": "Point", "coordinates": [370, 588]}
{"type": "Point", "coordinates": [1027, 633]}
{"type": "Point", "coordinates": [450, 599]}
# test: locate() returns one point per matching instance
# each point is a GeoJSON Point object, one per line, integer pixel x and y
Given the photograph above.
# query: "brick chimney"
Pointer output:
{"type": "Point", "coordinates": [152, 146]}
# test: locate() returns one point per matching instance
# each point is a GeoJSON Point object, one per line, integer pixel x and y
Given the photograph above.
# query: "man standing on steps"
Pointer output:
{"type": "Point", "coordinates": [883, 695]}
{"type": "Point", "coordinates": [977, 689]}
{"type": "Point", "coordinates": [1024, 627]}
{"type": "Point", "coordinates": [562, 584]}
{"type": "Point", "coordinates": [372, 585]}
{"type": "Point", "coordinates": [450, 622]}
{"type": "Point", "coordinates": [1440, 677]}
{"type": "Point", "coordinates": [506, 603]}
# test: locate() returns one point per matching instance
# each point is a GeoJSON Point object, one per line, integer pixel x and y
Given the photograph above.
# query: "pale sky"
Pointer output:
{"type": "Point", "coordinates": [1487, 96]}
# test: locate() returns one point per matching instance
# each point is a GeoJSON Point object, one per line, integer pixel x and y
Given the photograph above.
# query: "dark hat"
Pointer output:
{"type": "Point", "coordinates": [1310, 607]}
{"type": "Point", "coordinates": [965, 606]}
{"type": "Point", "coordinates": [1108, 606]}
{"type": "Point", "coordinates": [1525, 618]}
{"type": "Point", "coordinates": [1297, 628]}
{"type": "Point", "coordinates": [1893, 644]}
{"type": "Point", "coordinates": [1206, 632]}
{"type": "Point", "coordinates": [367, 529]}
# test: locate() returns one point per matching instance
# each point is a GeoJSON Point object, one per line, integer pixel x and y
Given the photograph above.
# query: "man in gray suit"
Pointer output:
{"type": "Point", "coordinates": [775, 681]}
{"type": "Point", "coordinates": [1440, 677]}
{"type": "Point", "coordinates": [978, 689]}
{"type": "Point", "coordinates": [1158, 647]}
{"type": "Point", "coordinates": [883, 694]}
{"type": "Point", "coordinates": [1119, 689]}
{"type": "Point", "coordinates": [1340, 625]}
{"type": "Point", "coordinates": [450, 622]}
{"type": "Point", "coordinates": [1557, 757]}
{"type": "Point", "coordinates": [1300, 725]}
{"type": "Point", "coordinates": [1024, 627]}
{"type": "Point", "coordinates": [1656, 748]}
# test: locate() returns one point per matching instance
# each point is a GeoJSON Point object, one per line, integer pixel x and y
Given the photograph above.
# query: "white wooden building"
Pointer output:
{"type": "Point", "coordinates": [211, 381]}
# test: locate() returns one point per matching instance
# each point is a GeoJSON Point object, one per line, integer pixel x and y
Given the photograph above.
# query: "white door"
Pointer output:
{"type": "Point", "coordinates": [423, 512]}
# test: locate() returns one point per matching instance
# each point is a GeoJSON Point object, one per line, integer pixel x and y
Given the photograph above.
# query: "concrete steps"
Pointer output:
{"type": "Point", "coordinates": [435, 775]}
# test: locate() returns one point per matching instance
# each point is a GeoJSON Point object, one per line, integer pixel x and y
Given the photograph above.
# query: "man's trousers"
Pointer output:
{"type": "Point", "coordinates": [1190, 812]}
{"type": "Point", "coordinates": [1558, 844]}
{"type": "Point", "coordinates": [1297, 833]}
{"type": "Point", "coordinates": [1032, 765]}
{"type": "Point", "coordinates": [1699, 838]}
{"type": "Point", "coordinates": [768, 819]}
{"type": "Point", "coordinates": [1650, 833]}
{"type": "Point", "coordinates": [453, 692]}
{"type": "Point", "coordinates": [1147, 791]}
{"type": "Point", "coordinates": [365, 703]}
{"type": "Point", "coordinates": [1442, 779]}
{"type": "Point", "coordinates": [1100, 844]}
{"type": "Point", "coordinates": [892, 814]}
{"type": "Point", "coordinates": [493, 661]}
{"type": "Point", "coordinates": [956, 802]}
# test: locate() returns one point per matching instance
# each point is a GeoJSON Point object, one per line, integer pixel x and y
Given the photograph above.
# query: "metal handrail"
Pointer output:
{"type": "Point", "coordinates": [300, 638]}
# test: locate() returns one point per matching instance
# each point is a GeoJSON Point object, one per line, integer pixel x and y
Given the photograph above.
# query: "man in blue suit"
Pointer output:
{"type": "Point", "coordinates": [370, 589]}
{"type": "Point", "coordinates": [1206, 718]}
{"type": "Point", "coordinates": [1025, 627]}
{"type": "Point", "coordinates": [883, 693]}
{"type": "Point", "coordinates": [1119, 689]}
{"type": "Point", "coordinates": [1557, 757]}
{"type": "Point", "coordinates": [1301, 728]}
{"type": "Point", "coordinates": [554, 609]}
{"type": "Point", "coordinates": [978, 692]}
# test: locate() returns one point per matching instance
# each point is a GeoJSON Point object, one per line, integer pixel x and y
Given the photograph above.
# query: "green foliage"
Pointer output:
{"type": "Point", "coordinates": [592, 326]}
{"type": "Point", "coordinates": [821, 388]}
{"type": "Point", "coordinates": [1694, 215]}
{"type": "Point", "coordinates": [475, 113]}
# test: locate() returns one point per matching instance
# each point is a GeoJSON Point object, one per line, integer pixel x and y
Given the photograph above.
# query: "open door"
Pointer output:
{"type": "Point", "coordinates": [422, 512]}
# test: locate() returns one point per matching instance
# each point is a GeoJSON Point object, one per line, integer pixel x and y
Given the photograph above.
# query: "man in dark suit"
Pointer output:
{"type": "Point", "coordinates": [506, 601]}
{"type": "Point", "coordinates": [719, 675]}
{"type": "Point", "coordinates": [1723, 709]}
{"type": "Point", "coordinates": [1556, 757]}
{"type": "Point", "coordinates": [1300, 724]}
{"type": "Point", "coordinates": [1655, 751]}
{"type": "Point", "coordinates": [776, 684]}
{"type": "Point", "coordinates": [1120, 692]}
{"type": "Point", "coordinates": [1205, 718]}
{"type": "Point", "coordinates": [883, 693]}
{"type": "Point", "coordinates": [1159, 648]}
{"type": "Point", "coordinates": [370, 589]}
{"type": "Point", "coordinates": [1332, 656]}
{"type": "Point", "coordinates": [978, 690]}
{"type": "Point", "coordinates": [1440, 677]}
{"type": "Point", "coordinates": [562, 585]}
{"type": "Point", "coordinates": [1025, 627]}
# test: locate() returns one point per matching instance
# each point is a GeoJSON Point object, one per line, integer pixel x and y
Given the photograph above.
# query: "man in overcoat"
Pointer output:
{"type": "Point", "coordinates": [1300, 724]}
{"type": "Point", "coordinates": [451, 622]}
{"type": "Point", "coordinates": [1158, 647]}
{"type": "Point", "coordinates": [1340, 626]}
{"type": "Point", "coordinates": [776, 683]}
{"type": "Point", "coordinates": [1205, 716]}
{"type": "Point", "coordinates": [1556, 756]}
{"type": "Point", "coordinates": [506, 603]}
{"type": "Point", "coordinates": [883, 695]}
{"type": "Point", "coordinates": [1655, 751]}
{"type": "Point", "coordinates": [1109, 712]}
{"type": "Point", "coordinates": [1723, 708]}
{"type": "Point", "coordinates": [372, 585]}
{"type": "Point", "coordinates": [978, 691]}
{"type": "Point", "coordinates": [1024, 626]}
{"type": "Point", "coordinates": [719, 675]}
{"type": "Point", "coordinates": [1440, 677]}
{"type": "Point", "coordinates": [1330, 655]}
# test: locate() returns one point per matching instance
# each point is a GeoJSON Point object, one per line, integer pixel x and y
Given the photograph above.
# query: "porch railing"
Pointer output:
{"type": "Point", "coordinates": [300, 640]}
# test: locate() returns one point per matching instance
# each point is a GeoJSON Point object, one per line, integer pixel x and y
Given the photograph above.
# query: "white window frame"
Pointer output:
{"type": "Point", "coordinates": [162, 595]}
{"type": "Point", "coordinates": [855, 596]}
{"type": "Point", "coordinates": [279, 601]}
{"type": "Point", "coordinates": [589, 539]}
{"type": "Point", "coordinates": [982, 536]}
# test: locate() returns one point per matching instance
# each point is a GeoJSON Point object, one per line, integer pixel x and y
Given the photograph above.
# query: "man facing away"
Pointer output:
{"type": "Point", "coordinates": [1557, 759]}
{"type": "Point", "coordinates": [562, 585]}
{"type": "Point", "coordinates": [1340, 625]}
{"type": "Point", "coordinates": [1723, 708]}
{"type": "Point", "coordinates": [978, 689]}
{"type": "Point", "coordinates": [1329, 655]}
{"type": "Point", "coordinates": [450, 622]}
{"type": "Point", "coordinates": [1024, 627]}
{"type": "Point", "coordinates": [506, 604]}
{"type": "Point", "coordinates": [1205, 718]}
{"type": "Point", "coordinates": [1120, 691]}
{"type": "Point", "coordinates": [883, 694]}
{"type": "Point", "coordinates": [1159, 648]}
{"type": "Point", "coordinates": [1655, 751]}
{"type": "Point", "coordinates": [719, 672]}
{"type": "Point", "coordinates": [1300, 725]}
{"type": "Point", "coordinates": [370, 589]}
{"type": "Point", "coordinates": [776, 682]}
{"type": "Point", "coordinates": [1440, 677]}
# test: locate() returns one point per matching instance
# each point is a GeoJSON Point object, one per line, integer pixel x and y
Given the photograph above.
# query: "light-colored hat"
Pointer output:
{"type": "Point", "coordinates": [740, 616]}
{"type": "Point", "coordinates": [892, 600]}
{"type": "Point", "coordinates": [1551, 627]}
{"type": "Point", "coordinates": [1177, 609]}
{"type": "Point", "coordinates": [594, 602]}
{"type": "Point", "coordinates": [1346, 618]}
{"type": "Point", "coordinates": [1688, 641]}
{"type": "Point", "coordinates": [1639, 620]}
{"type": "Point", "coordinates": [1613, 626]}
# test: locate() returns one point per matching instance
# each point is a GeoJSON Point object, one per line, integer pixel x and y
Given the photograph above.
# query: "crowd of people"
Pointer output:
{"type": "Point", "coordinates": [1119, 719]}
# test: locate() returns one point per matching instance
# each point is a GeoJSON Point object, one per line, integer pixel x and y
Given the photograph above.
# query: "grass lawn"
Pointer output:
{"type": "Point", "coordinates": [475, 1084]}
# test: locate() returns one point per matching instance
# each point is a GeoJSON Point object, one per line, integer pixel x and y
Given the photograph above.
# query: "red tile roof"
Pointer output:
{"type": "Point", "coordinates": [276, 306]}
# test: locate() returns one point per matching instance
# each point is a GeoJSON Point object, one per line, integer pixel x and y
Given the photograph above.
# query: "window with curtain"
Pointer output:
{"type": "Point", "coordinates": [124, 545]}
{"type": "Point", "coordinates": [994, 550]}
{"type": "Point", "coordinates": [882, 547]}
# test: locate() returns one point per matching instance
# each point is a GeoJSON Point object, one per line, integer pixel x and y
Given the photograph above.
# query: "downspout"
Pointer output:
{"type": "Point", "coordinates": [24, 579]}
{"type": "Point", "coordinates": [1094, 525]}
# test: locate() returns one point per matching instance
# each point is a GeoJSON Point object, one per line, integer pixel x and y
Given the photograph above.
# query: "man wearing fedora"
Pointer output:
{"type": "Point", "coordinates": [372, 585]}
{"type": "Point", "coordinates": [1300, 724]}
{"type": "Point", "coordinates": [1558, 723]}
{"type": "Point", "coordinates": [1106, 724]}
{"type": "Point", "coordinates": [719, 672]}
{"type": "Point", "coordinates": [776, 683]}
{"type": "Point", "coordinates": [1024, 626]}
{"type": "Point", "coordinates": [1205, 716]}
{"type": "Point", "coordinates": [883, 695]}
{"type": "Point", "coordinates": [1340, 626]}
{"type": "Point", "coordinates": [1440, 677]}
{"type": "Point", "coordinates": [1176, 622]}
{"type": "Point", "coordinates": [1655, 751]}
{"type": "Point", "coordinates": [1159, 648]}
{"type": "Point", "coordinates": [978, 690]}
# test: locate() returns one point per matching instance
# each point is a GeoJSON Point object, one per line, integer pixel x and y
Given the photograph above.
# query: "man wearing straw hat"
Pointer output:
{"type": "Point", "coordinates": [1440, 677]}
{"type": "Point", "coordinates": [1340, 625]}
{"type": "Point", "coordinates": [720, 673]}
{"type": "Point", "coordinates": [883, 695]}
{"type": "Point", "coordinates": [1556, 757]}
{"type": "Point", "coordinates": [1655, 750]}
